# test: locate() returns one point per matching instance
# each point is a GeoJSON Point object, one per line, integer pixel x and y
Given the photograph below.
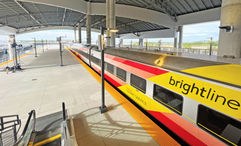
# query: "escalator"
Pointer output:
{"type": "Point", "coordinates": [49, 130]}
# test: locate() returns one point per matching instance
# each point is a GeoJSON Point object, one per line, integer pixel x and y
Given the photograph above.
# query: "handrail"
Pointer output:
{"type": "Point", "coordinates": [92, 47]}
{"type": "Point", "coordinates": [6, 123]}
{"type": "Point", "coordinates": [31, 114]}
{"type": "Point", "coordinates": [2, 123]}
{"type": "Point", "coordinates": [65, 138]}
{"type": "Point", "coordinates": [63, 109]}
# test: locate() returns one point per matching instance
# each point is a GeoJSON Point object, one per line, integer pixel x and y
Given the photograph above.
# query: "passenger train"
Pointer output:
{"type": "Point", "coordinates": [200, 101]}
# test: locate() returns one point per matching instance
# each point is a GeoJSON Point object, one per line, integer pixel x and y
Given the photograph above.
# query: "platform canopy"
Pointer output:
{"type": "Point", "coordinates": [132, 16]}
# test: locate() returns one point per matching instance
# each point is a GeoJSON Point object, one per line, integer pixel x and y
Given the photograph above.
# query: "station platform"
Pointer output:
{"type": "Point", "coordinates": [43, 85]}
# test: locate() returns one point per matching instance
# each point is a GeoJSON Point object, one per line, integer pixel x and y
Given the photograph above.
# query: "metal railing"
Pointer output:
{"type": "Point", "coordinates": [199, 51]}
{"type": "Point", "coordinates": [20, 51]}
{"type": "Point", "coordinates": [65, 135]}
{"type": "Point", "coordinates": [9, 127]}
{"type": "Point", "coordinates": [28, 130]}
{"type": "Point", "coordinates": [4, 59]}
{"type": "Point", "coordinates": [28, 133]}
{"type": "Point", "coordinates": [171, 49]}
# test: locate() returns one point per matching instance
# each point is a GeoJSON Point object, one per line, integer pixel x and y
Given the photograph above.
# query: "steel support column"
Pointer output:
{"type": "Point", "coordinates": [107, 23]}
{"type": "Point", "coordinates": [110, 22]}
{"type": "Point", "coordinates": [88, 24]}
{"type": "Point", "coordinates": [75, 34]}
{"type": "Point", "coordinates": [80, 37]}
{"type": "Point", "coordinates": [141, 42]}
{"type": "Point", "coordinates": [121, 43]}
{"type": "Point", "coordinates": [230, 35]}
{"type": "Point", "coordinates": [180, 30]}
{"type": "Point", "coordinates": [175, 40]}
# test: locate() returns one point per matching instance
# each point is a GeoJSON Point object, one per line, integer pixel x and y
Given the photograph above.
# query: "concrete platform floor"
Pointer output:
{"type": "Point", "coordinates": [43, 85]}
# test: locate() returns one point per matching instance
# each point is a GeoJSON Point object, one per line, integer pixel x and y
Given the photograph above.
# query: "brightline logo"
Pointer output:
{"type": "Point", "coordinates": [208, 94]}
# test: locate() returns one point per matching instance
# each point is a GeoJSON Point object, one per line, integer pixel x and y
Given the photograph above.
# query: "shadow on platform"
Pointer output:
{"type": "Point", "coordinates": [93, 128]}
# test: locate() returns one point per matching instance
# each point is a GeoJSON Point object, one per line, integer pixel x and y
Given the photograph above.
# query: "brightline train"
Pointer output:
{"type": "Point", "coordinates": [196, 99]}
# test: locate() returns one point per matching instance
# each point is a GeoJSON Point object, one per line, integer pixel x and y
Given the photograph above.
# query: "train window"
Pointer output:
{"type": "Point", "coordinates": [138, 83]}
{"type": "Point", "coordinates": [95, 60]}
{"type": "Point", "coordinates": [110, 68]}
{"type": "Point", "coordinates": [84, 54]}
{"type": "Point", "coordinates": [228, 128]}
{"type": "Point", "coordinates": [168, 98]}
{"type": "Point", "coordinates": [98, 62]}
{"type": "Point", "coordinates": [120, 73]}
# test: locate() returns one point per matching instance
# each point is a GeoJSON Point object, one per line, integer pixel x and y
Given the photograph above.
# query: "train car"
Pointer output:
{"type": "Point", "coordinates": [196, 99]}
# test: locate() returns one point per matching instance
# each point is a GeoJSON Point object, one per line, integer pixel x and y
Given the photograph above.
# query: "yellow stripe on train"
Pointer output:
{"type": "Point", "coordinates": [143, 100]}
{"type": "Point", "coordinates": [221, 98]}
{"type": "Point", "coordinates": [229, 73]}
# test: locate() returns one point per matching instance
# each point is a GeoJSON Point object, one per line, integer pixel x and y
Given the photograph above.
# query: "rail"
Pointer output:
{"type": "Point", "coordinates": [171, 49]}
{"type": "Point", "coordinates": [28, 130]}
{"type": "Point", "coordinates": [65, 135]}
{"type": "Point", "coordinates": [20, 51]}
{"type": "Point", "coordinates": [8, 129]}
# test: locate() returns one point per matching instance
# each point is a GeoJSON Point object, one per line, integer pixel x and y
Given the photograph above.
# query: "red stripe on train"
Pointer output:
{"type": "Point", "coordinates": [115, 83]}
{"type": "Point", "coordinates": [189, 138]}
{"type": "Point", "coordinates": [146, 68]}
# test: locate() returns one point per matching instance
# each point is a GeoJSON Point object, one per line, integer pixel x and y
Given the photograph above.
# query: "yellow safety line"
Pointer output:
{"type": "Point", "coordinates": [30, 143]}
{"type": "Point", "coordinates": [48, 140]}
{"type": "Point", "coordinates": [1, 64]}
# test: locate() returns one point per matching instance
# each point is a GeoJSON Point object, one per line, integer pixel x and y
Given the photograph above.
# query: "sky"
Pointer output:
{"type": "Point", "coordinates": [191, 33]}
{"type": "Point", "coordinates": [201, 32]}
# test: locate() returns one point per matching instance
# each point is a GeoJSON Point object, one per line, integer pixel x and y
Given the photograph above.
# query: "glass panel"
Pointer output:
{"type": "Point", "coordinates": [168, 98]}
{"type": "Point", "coordinates": [110, 68]}
{"type": "Point", "coordinates": [219, 123]}
{"type": "Point", "coordinates": [121, 74]}
{"type": "Point", "coordinates": [27, 135]}
{"type": "Point", "coordinates": [138, 83]}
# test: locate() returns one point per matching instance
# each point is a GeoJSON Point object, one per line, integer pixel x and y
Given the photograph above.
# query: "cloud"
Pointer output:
{"type": "Point", "coordinates": [201, 31]}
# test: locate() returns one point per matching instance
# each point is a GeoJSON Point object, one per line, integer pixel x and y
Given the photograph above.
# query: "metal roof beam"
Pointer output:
{"type": "Point", "coordinates": [199, 17]}
{"type": "Point", "coordinates": [196, 5]}
{"type": "Point", "coordinates": [174, 4]}
{"type": "Point", "coordinates": [166, 33]}
{"type": "Point", "coordinates": [210, 1]}
{"type": "Point", "coordinates": [24, 14]}
{"type": "Point", "coordinates": [28, 12]}
{"type": "Point", "coordinates": [11, 9]}
{"type": "Point", "coordinates": [189, 5]}
{"type": "Point", "coordinates": [98, 22]}
{"type": "Point", "coordinates": [81, 20]}
{"type": "Point", "coordinates": [63, 19]}
{"type": "Point", "coordinates": [151, 16]}
{"type": "Point", "coordinates": [166, 9]}
{"type": "Point", "coordinates": [39, 12]}
{"type": "Point", "coordinates": [162, 6]}
{"type": "Point", "coordinates": [182, 6]}
{"type": "Point", "coordinates": [126, 24]}
{"type": "Point", "coordinates": [203, 3]}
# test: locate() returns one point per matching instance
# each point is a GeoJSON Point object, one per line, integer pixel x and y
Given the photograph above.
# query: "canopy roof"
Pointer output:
{"type": "Point", "coordinates": [25, 16]}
